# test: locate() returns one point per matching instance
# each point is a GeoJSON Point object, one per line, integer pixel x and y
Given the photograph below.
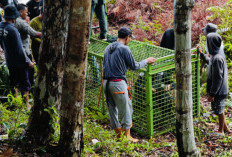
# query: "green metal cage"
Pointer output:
{"type": "Point", "coordinates": [152, 87]}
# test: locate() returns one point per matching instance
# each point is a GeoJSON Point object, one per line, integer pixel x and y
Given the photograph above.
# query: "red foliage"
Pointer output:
{"type": "Point", "coordinates": [128, 12]}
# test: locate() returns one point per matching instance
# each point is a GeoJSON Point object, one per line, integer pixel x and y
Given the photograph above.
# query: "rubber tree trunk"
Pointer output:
{"type": "Point", "coordinates": [184, 120]}
{"type": "Point", "coordinates": [48, 86]}
{"type": "Point", "coordinates": [72, 108]}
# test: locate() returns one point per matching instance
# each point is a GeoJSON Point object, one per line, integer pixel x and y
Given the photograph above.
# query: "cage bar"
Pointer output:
{"type": "Point", "coordinates": [153, 87]}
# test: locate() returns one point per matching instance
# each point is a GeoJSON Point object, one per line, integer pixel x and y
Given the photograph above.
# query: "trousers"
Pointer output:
{"type": "Point", "coordinates": [119, 104]}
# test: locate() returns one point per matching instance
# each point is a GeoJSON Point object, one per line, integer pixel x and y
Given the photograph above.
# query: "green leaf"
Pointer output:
{"type": "Point", "coordinates": [6, 125]}
{"type": "Point", "coordinates": [22, 125]}
{"type": "Point", "coordinates": [11, 133]}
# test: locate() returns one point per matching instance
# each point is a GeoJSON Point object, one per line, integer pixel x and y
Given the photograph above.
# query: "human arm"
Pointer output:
{"type": "Point", "coordinates": [133, 65]}
{"type": "Point", "coordinates": [29, 30]}
{"type": "Point", "coordinates": [18, 48]}
{"type": "Point", "coordinates": [203, 56]}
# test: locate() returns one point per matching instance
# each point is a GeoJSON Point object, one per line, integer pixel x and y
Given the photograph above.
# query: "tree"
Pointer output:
{"type": "Point", "coordinates": [72, 106]}
{"type": "Point", "coordinates": [184, 120]}
{"type": "Point", "coordinates": [48, 86]}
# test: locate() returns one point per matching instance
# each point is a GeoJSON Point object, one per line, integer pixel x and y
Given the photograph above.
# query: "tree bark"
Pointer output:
{"type": "Point", "coordinates": [184, 120]}
{"type": "Point", "coordinates": [72, 108]}
{"type": "Point", "coordinates": [48, 86]}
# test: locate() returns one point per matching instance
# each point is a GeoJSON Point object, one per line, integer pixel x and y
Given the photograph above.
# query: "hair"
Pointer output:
{"type": "Point", "coordinates": [123, 32]}
{"type": "Point", "coordinates": [21, 6]}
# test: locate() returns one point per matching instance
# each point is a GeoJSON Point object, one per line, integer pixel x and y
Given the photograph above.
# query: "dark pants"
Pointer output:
{"type": "Point", "coordinates": [31, 73]}
{"type": "Point", "coordinates": [99, 9]}
{"type": "Point", "coordinates": [19, 77]}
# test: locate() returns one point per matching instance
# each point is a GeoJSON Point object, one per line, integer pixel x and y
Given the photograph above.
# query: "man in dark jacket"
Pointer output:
{"type": "Point", "coordinates": [98, 6]}
{"type": "Point", "coordinates": [33, 8]}
{"type": "Point", "coordinates": [168, 39]}
{"type": "Point", "coordinates": [217, 82]}
{"type": "Point", "coordinates": [117, 59]}
{"type": "Point", "coordinates": [16, 59]}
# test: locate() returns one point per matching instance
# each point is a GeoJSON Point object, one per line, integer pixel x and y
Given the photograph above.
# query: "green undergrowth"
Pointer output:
{"type": "Point", "coordinates": [100, 140]}
{"type": "Point", "coordinates": [14, 117]}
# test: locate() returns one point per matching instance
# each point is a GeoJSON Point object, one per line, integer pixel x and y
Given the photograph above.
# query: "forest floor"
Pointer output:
{"type": "Point", "coordinates": [101, 141]}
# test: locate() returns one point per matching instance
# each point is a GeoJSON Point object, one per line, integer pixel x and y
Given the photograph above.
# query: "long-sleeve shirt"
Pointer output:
{"type": "Point", "coordinates": [25, 31]}
{"type": "Point", "coordinates": [117, 59]}
{"type": "Point", "coordinates": [217, 82]}
{"type": "Point", "coordinates": [12, 45]}
{"type": "Point", "coordinates": [36, 24]}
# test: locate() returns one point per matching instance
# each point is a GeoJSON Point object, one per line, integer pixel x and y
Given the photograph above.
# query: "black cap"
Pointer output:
{"type": "Point", "coordinates": [123, 32]}
{"type": "Point", "coordinates": [10, 12]}
{"type": "Point", "coordinates": [209, 28]}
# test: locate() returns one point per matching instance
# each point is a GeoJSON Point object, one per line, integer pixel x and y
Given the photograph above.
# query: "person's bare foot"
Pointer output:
{"type": "Point", "coordinates": [228, 131]}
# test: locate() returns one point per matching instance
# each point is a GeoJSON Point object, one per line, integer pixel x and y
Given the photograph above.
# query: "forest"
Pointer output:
{"type": "Point", "coordinates": [69, 114]}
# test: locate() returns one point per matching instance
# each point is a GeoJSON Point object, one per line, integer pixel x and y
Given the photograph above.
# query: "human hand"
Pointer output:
{"type": "Point", "coordinates": [150, 60]}
{"type": "Point", "coordinates": [210, 99]}
{"type": "Point", "coordinates": [31, 65]}
{"type": "Point", "coordinates": [199, 49]}
{"type": "Point", "coordinates": [27, 19]}
{"type": "Point", "coordinates": [39, 34]}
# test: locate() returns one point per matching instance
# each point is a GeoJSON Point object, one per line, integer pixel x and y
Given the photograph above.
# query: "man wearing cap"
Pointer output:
{"type": "Point", "coordinates": [117, 59]}
{"type": "Point", "coordinates": [16, 59]}
{"type": "Point", "coordinates": [26, 31]}
{"type": "Point", "coordinates": [98, 6]}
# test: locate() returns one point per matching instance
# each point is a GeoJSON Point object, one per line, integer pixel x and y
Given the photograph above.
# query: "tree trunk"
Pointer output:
{"type": "Point", "coordinates": [50, 70]}
{"type": "Point", "coordinates": [184, 120]}
{"type": "Point", "coordinates": [72, 108]}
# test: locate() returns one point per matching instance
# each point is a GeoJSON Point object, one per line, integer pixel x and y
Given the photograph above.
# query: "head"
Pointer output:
{"type": "Point", "coordinates": [214, 42]}
{"type": "Point", "coordinates": [23, 11]}
{"type": "Point", "coordinates": [209, 28]}
{"type": "Point", "coordinates": [125, 34]}
{"type": "Point", "coordinates": [10, 13]}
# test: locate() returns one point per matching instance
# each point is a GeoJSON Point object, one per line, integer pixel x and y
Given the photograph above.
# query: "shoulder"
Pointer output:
{"type": "Point", "coordinates": [124, 48]}
{"type": "Point", "coordinates": [35, 20]}
{"type": "Point", "coordinates": [19, 22]}
{"type": "Point", "coordinates": [219, 59]}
